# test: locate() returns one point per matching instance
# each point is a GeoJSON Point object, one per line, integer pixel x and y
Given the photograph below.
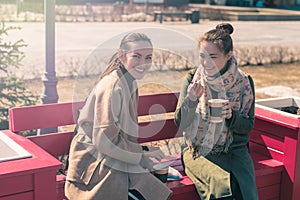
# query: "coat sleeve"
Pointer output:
{"type": "Point", "coordinates": [108, 136]}
{"type": "Point", "coordinates": [240, 124]}
{"type": "Point", "coordinates": [185, 109]}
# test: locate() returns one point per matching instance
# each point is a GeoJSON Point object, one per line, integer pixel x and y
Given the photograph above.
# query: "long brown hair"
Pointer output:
{"type": "Point", "coordinates": [115, 63]}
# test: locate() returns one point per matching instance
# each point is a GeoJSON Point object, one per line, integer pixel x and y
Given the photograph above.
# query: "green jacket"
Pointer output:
{"type": "Point", "coordinates": [237, 161]}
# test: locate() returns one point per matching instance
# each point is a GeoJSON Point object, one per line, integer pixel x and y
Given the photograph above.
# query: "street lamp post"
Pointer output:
{"type": "Point", "coordinates": [146, 6]}
{"type": "Point", "coordinates": [49, 79]}
{"type": "Point", "coordinates": [50, 94]}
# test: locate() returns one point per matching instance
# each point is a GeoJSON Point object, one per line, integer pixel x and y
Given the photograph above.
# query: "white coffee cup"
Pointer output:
{"type": "Point", "coordinates": [161, 171]}
{"type": "Point", "coordinates": [215, 109]}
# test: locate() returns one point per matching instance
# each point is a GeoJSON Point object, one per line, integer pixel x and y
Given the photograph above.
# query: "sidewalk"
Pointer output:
{"type": "Point", "coordinates": [75, 41]}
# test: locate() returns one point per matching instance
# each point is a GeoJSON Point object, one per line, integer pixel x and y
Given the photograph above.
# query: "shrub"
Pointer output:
{"type": "Point", "coordinates": [12, 90]}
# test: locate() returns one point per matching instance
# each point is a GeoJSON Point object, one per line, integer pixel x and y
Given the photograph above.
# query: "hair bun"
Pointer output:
{"type": "Point", "coordinates": [225, 27]}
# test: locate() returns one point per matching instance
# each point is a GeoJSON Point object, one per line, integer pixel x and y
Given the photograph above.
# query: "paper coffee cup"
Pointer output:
{"type": "Point", "coordinates": [215, 109]}
{"type": "Point", "coordinates": [161, 171]}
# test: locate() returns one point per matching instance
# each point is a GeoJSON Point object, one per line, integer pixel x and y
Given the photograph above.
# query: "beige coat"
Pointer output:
{"type": "Point", "coordinates": [105, 156]}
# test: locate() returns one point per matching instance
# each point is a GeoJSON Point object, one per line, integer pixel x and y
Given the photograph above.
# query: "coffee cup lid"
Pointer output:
{"type": "Point", "coordinates": [160, 166]}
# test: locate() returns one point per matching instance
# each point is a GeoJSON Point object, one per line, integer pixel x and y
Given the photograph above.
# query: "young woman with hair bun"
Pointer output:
{"type": "Point", "coordinates": [215, 154]}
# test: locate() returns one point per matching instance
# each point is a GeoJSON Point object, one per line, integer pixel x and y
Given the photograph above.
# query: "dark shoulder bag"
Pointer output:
{"type": "Point", "coordinates": [65, 157]}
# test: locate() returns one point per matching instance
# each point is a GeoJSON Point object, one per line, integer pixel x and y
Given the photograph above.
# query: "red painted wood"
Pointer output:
{"type": "Point", "coordinates": [287, 127]}
{"type": "Point", "coordinates": [20, 196]}
{"type": "Point", "coordinates": [43, 116]}
{"type": "Point", "coordinates": [270, 192]}
{"type": "Point", "coordinates": [42, 186]}
{"type": "Point", "coordinates": [19, 176]}
{"type": "Point", "coordinates": [157, 103]}
{"type": "Point", "coordinates": [267, 139]}
{"type": "Point", "coordinates": [39, 160]}
{"type": "Point", "coordinates": [297, 169]}
{"type": "Point", "coordinates": [183, 189]}
{"type": "Point", "coordinates": [273, 142]}
{"type": "Point", "coordinates": [188, 196]}
{"type": "Point", "coordinates": [267, 144]}
{"type": "Point", "coordinates": [158, 130]}
{"type": "Point", "coordinates": [60, 187]}
{"type": "Point", "coordinates": [54, 143]}
{"type": "Point", "coordinates": [269, 179]}
{"type": "Point", "coordinates": [277, 117]}
{"type": "Point", "coordinates": [264, 150]}
{"type": "Point", "coordinates": [275, 127]}
{"type": "Point", "coordinates": [16, 184]}
{"type": "Point", "coordinates": [292, 163]}
{"type": "Point", "coordinates": [290, 157]}
{"type": "Point", "coordinates": [267, 174]}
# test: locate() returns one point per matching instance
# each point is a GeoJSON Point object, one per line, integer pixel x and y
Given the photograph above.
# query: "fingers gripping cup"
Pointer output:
{"type": "Point", "coordinates": [215, 109]}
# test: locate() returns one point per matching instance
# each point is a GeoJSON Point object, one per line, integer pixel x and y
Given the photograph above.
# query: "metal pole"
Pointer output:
{"type": "Point", "coordinates": [50, 94]}
{"type": "Point", "coordinates": [49, 79]}
{"type": "Point", "coordinates": [146, 6]}
{"type": "Point", "coordinates": [130, 3]}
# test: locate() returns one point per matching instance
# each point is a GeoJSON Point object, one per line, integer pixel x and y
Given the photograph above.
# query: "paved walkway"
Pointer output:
{"type": "Point", "coordinates": [75, 41]}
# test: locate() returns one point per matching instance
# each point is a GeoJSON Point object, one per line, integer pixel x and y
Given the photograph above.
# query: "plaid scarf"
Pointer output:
{"type": "Point", "coordinates": [205, 137]}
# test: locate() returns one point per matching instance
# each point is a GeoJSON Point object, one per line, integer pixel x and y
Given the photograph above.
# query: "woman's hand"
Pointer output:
{"type": "Point", "coordinates": [195, 90]}
{"type": "Point", "coordinates": [148, 157]}
{"type": "Point", "coordinates": [227, 111]}
{"type": "Point", "coordinates": [155, 153]}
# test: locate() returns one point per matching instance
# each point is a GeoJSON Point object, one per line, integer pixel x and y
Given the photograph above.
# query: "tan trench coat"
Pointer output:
{"type": "Point", "coordinates": [105, 156]}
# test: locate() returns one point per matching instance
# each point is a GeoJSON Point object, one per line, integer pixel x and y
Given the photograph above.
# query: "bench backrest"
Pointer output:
{"type": "Point", "coordinates": [152, 128]}
{"type": "Point", "coordinates": [43, 116]}
{"type": "Point", "coordinates": [62, 114]}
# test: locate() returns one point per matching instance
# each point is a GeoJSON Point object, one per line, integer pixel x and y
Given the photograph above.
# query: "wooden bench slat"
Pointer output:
{"type": "Point", "coordinates": [157, 103]}
{"type": "Point", "coordinates": [158, 130]}
{"type": "Point", "coordinates": [54, 115]}
{"type": "Point", "coordinates": [269, 192]}
{"type": "Point", "coordinates": [16, 185]}
{"type": "Point", "coordinates": [24, 196]}
{"type": "Point", "coordinates": [269, 126]}
{"type": "Point", "coordinates": [43, 116]}
{"type": "Point", "coordinates": [54, 143]}
{"type": "Point", "coordinates": [268, 140]}
{"type": "Point", "coordinates": [269, 179]}
{"type": "Point", "coordinates": [265, 165]}
{"type": "Point", "coordinates": [267, 144]}
{"type": "Point", "coordinates": [263, 150]}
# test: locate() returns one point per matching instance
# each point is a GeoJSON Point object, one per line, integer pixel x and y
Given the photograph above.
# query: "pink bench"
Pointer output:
{"type": "Point", "coordinates": [268, 169]}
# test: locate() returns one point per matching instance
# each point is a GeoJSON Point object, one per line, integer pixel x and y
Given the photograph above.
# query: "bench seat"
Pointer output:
{"type": "Point", "coordinates": [267, 174]}
{"type": "Point", "coordinates": [159, 15]}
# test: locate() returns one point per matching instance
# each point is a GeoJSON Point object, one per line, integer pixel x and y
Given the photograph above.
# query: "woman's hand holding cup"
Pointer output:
{"type": "Point", "coordinates": [150, 160]}
{"type": "Point", "coordinates": [219, 109]}
{"type": "Point", "coordinates": [226, 110]}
